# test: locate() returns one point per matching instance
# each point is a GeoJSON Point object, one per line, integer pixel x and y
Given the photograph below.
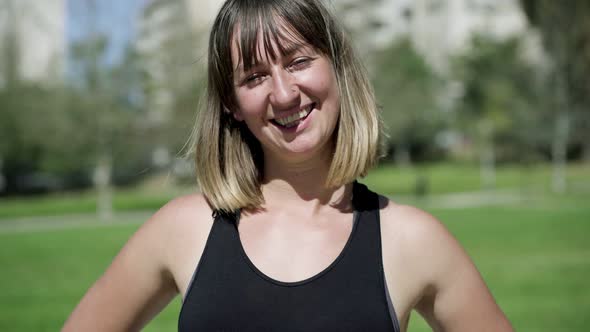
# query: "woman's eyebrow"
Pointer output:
{"type": "Point", "coordinates": [292, 48]}
{"type": "Point", "coordinates": [240, 67]}
{"type": "Point", "coordinates": [286, 51]}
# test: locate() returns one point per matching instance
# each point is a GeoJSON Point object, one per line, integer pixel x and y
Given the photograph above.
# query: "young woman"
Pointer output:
{"type": "Point", "coordinates": [283, 238]}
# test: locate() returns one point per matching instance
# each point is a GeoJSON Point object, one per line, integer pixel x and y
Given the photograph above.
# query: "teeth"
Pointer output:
{"type": "Point", "coordinates": [292, 119]}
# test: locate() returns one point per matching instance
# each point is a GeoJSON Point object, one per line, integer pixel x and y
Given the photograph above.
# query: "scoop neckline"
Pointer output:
{"type": "Point", "coordinates": [355, 216]}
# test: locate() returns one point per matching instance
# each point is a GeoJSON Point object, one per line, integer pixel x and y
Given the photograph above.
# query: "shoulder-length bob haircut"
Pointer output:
{"type": "Point", "coordinates": [228, 157]}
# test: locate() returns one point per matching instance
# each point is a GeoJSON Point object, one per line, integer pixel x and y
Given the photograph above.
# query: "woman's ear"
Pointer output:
{"type": "Point", "coordinates": [237, 114]}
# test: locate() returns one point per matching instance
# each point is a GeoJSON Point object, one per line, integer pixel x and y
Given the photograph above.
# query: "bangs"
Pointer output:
{"type": "Point", "coordinates": [280, 30]}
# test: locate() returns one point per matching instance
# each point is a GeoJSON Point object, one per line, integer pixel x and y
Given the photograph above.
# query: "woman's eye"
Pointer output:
{"type": "Point", "coordinates": [254, 79]}
{"type": "Point", "coordinates": [300, 63]}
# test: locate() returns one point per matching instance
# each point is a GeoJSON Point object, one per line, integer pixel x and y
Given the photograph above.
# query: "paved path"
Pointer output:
{"type": "Point", "coordinates": [468, 199]}
{"type": "Point", "coordinates": [90, 220]}
{"type": "Point", "coordinates": [49, 223]}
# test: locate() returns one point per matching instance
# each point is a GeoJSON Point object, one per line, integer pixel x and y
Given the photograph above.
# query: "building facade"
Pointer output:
{"type": "Point", "coordinates": [172, 41]}
{"type": "Point", "coordinates": [437, 28]}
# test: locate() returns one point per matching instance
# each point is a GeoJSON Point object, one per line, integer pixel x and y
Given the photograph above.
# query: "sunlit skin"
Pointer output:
{"type": "Point", "coordinates": [298, 222]}
{"type": "Point", "coordinates": [301, 79]}
{"type": "Point", "coordinates": [302, 226]}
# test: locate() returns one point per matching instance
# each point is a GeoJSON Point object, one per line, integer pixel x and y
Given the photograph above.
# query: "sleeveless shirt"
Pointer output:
{"type": "Point", "coordinates": [228, 293]}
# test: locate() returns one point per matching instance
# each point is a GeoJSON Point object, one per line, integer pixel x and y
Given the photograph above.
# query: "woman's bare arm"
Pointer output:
{"type": "Point", "coordinates": [453, 296]}
{"type": "Point", "coordinates": [139, 282]}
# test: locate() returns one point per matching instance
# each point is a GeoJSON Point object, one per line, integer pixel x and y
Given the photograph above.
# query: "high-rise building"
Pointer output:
{"type": "Point", "coordinates": [437, 28]}
{"type": "Point", "coordinates": [202, 13]}
{"type": "Point", "coordinates": [32, 40]}
{"type": "Point", "coordinates": [172, 42]}
{"type": "Point", "coordinates": [440, 28]}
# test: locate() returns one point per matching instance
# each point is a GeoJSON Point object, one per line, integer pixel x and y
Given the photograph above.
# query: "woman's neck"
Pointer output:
{"type": "Point", "coordinates": [302, 184]}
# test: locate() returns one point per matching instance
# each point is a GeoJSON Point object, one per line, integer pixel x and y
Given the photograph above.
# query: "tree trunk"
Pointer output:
{"type": "Point", "coordinates": [585, 129]}
{"type": "Point", "coordinates": [2, 178]}
{"type": "Point", "coordinates": [102, 184]}
{"type": "Point", "coordinates": [488, 167]}
{"type": "Point", "coordinates": [559, 152]}
{"type": "Point", "coordinates": [487, 156]}
{"type": "Point", "coordinates": [561, 133]}
{"type": "Point", "coordinates": [586, 151]}
{"type": "Point", "coordinates": [402, 155]}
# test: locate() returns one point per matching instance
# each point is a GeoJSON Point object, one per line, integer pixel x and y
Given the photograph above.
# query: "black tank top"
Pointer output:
{"type": "Point", "coordinates": [228, 293]}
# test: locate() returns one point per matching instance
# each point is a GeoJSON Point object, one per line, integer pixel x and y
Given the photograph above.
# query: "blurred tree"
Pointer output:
{"type": "Point", "coordinates": [134, 141]}
{"type": "Point", "coordinates": [32, 116]}
{"type": "Point", "coordinates": [171, 53]}
{"type": "Point", "coordinates": [9, 64]}
{"type": "Point", "coordinates": [407, 89]}
{"type": "Point", "coordinates": [565, 29]}
{"type": "Point", "coordinates": [105, 119]}
{"type": "Point", "coordinates": [497, 92]}
{"type": "Point", "coordinates": [64, 132]}
{"type": "Point", "coordinates": [23, 136]}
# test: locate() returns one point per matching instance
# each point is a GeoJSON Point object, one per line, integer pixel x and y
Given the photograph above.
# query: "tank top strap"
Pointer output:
{"type": "Point", "coordinates": [364, 199]}
{"type": "Point", "coordinates": [366, 252]}
{"type": "Point", "coordinates": [367, 240]}
{"type": "Point", "coordinates": [225, 232]}
{"type": "Point", "coordinates": [365, 245]}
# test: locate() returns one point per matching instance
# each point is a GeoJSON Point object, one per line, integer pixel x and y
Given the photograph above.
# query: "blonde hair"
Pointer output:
{"type": "Point", "coordinates": [228, 158]}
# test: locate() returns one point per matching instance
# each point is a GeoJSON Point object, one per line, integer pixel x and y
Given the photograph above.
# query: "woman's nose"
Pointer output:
{"type": "Point", "coordinates": [285, 91]}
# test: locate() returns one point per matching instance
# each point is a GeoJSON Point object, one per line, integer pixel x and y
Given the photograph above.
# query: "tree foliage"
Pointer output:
{"type": "Point", "coordinates": [173, 64]}
{"type": "Point", "coordinates": [498, 109]}
{"type": "Point", "coordinates": [499, 92]}
{"type": "Point", "coordinates": [565, 31]}
{"type": "Point", "coordinates": [61, 129]}
{"type": "Point", "coordinates": [406, 88]}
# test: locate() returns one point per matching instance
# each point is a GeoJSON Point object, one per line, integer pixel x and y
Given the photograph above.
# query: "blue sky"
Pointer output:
{"type": "Point", "coordinates": [115, 18]}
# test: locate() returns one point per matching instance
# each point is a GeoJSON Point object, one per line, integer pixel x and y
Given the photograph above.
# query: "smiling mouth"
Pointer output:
{"type": "Point", "coordinates": [293, 119]}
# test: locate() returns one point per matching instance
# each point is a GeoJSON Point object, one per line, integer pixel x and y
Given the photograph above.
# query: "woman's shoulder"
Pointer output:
{"type": "Point", "coordinates": [177, 233]}
{"type": "Point", "coordinates": [413, 235]}
{"type": "Point", "coordinates": [407, 219]}
{"type": "Point", "coordinates": [185, 206]}
{"type": "Point", "coordinates": [191, 210]}
{"type": "Point", "coordinates": [187, 214]}
{"type": "Point", "coordinates": [419, 235]}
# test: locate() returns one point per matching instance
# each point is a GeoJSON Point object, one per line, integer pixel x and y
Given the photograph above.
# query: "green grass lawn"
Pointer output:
{"type": "Point", "coordinates": [535, 259]}
{"type": "Point", "coordinates": [453, 177]}
{"type": "Point", "coordinates": [534, 253]}
{"type": "Point", "coordinates": [80, 202]}
{"type": "Point", "coordinates": [390, 180]}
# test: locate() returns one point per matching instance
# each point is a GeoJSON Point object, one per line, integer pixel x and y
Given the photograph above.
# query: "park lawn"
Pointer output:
{"type": "Point", "coordinates": [387, 179]}
{"type": "Point", "coordinates": [46, 272]}
{"type": "Point", "coordinates": [535, 260]}
{"type": "Point", "coordinates": [81, 202]}
{"type": "Point", "coordinates": [442, 178]}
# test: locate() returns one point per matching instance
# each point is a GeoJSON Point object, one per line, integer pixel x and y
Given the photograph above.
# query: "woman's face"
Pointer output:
{"type": "Point", "coordinates": [290, 104]}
